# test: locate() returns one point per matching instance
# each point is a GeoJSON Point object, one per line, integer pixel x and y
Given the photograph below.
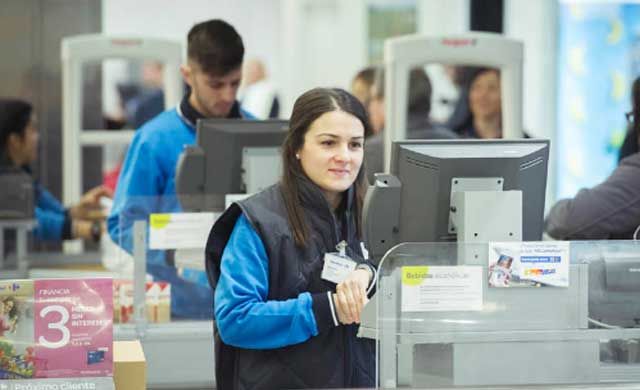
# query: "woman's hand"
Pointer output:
{"type": "Point", "coordinates": [89, 206]}
{"type": "Point", "coordinates": [87, 230]}
{"type": "Point", "coordinates": [351, 296]}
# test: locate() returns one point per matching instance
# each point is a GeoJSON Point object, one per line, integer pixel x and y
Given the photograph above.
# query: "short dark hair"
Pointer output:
{"type": "Point", "coordinates": [362, 83]}
{"type": "Point", "coordinates": [216, 46]}
{"type": "Point", "coordinates": [14, 118]}
{"type": "Point", "coordinates": [306, 109]}
{"type": "Point", "coordinates": [419, 92]}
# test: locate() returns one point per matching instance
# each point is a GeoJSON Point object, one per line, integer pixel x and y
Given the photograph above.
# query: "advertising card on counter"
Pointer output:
{"type": "Point", "coordinates": [528, 264]}
{"type": "Point", "coordinates": [441, 288]}
{"type": "Point", "coordinates": [180, 230]}
{"type": "Point", "coordinates": [56, 328]}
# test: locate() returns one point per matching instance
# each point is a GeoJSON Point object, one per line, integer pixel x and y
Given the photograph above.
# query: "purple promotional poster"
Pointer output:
{"type": "Point", "coordinates": [57, 328]}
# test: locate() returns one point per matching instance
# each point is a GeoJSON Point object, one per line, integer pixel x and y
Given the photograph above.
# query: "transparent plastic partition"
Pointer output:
{"type": "Point", "coordinates": [160, 255]}
{"type": "Point", "coordinates": [441, 325]}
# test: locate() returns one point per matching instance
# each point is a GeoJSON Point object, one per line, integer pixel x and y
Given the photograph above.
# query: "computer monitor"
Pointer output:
{"type": "Point", "coordinates": [230, 157]}
{"type": "Point", "coordinates": [416, 202]}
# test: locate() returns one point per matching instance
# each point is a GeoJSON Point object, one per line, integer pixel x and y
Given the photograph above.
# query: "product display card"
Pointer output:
{"type": "Point", "coordinates": [56, 328]}
{"type": "Point", "coordinates": [180, 230]}
{"type": "Point", "coordinates": [529, 264]}
{"type": "Point", "coordinates": [157, 301]}
{"type": "Point", "coordinates": [441, 288]}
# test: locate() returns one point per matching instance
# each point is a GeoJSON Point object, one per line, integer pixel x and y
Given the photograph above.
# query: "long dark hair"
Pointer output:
{"type": "Point", "coordinates": [307, 108]}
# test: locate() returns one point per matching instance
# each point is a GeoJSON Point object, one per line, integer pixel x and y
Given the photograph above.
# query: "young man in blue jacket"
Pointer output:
{"type": "Point", "coordinates": [147, 182]}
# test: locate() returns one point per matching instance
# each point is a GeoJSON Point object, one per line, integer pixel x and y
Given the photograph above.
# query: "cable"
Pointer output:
{"type": "Point", "coordinates": [635, 234]}
{"type": "Point", "coordinates": [602, 324]}
{"type": "Point", "coordinates": [374, 280]}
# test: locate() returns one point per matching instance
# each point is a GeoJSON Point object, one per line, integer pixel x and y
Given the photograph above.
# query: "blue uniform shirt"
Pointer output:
{"type": "Point", "coordinates": [244, 316]}
{"type": "Point", "coordinates": [147, 185]}
{"type": "Point", "coordinates": [50, 215]}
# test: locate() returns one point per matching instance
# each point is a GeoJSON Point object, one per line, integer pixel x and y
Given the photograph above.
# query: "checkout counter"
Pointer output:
{"type": "Point", "coordinates": [460, 332]}
{"type": "Point", "coordinates": [440, 324]}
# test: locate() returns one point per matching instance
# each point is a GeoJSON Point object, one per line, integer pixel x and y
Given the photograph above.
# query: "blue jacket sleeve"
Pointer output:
{"type": "Point", "coordinates": [244, 316]}
{"type": "Point", "coordinates": [136, 194]}
{"type": "Point", "coordinates": [50, 215]}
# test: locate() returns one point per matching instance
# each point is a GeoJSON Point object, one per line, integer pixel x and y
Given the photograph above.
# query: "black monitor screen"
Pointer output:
{"type": "Point", "coordinates": [214, 167]}
{"type": "Point", "coordinates": [427, 169]}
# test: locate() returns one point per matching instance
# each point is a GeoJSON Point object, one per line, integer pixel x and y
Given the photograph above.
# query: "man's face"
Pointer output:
{"type": "Point", "coordinates": [211, 95]}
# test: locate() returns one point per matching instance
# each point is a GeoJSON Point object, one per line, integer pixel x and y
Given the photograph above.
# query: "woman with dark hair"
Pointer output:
{"type": "Point", "coordinates": [18, 150]}
{"type": "Point", "coordinates": [632, 140]}
{"type": "Point", "coordinates": [284, 317]}
{"type": "Point", "coordinates": [484, 116]}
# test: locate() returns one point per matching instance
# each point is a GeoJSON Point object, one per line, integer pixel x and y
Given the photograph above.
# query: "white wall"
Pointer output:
{"type": "Point", "coordinates": [304, 43]}
{"type": "Point", "coordinates": [535, 23]}
{"type": "Point", "coordinates": [257, 21]}
{"type": "Point", "coordinates": [323, 44]}
{"type": "Point", "coordinates": [438, 18]}
{"type": "Point", "coordinates": [443, 17]}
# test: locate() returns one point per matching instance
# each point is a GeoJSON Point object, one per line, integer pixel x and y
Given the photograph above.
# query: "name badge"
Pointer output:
{"type": "Point", "coordinates": [336, 268]}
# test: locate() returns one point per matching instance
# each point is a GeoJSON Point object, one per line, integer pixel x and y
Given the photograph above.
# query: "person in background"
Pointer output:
{"type": "Point", "coordinates": [141, 103]}
{"type": "Point", "coordinates": [280, 321]}
{"type": "Point", "coordinates": [610, 210]}
{"type": "Point", "coordinates": [147, 182]}
{"type": "Point", "coordinates": [259, 95]}
{"type": "Point", "coordinates": [419, 126]}
{"type": "Point", "coordinates": [18, 150]}
{"type": "Point", "coordinates": [149, 102]}
{"type": "Point", "coordinates": [632, 139]}
{"type": "Point", "coordinates": [375, 103]}
{"type": "Point", "coordinates": [484, 117]}
{"type": "Point", "coordinates": [362, 83]}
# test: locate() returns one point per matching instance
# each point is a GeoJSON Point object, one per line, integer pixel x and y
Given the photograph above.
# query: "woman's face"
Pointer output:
{"type": "Point", "coordinates": [484, 95]}
{"type": "Point", "coordinates": [24, 148]}
{"type": "Point", "coordinates": [332, 153]}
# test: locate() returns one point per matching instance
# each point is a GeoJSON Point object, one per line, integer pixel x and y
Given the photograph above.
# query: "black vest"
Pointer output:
{"type": "Point", "coordinates": [334, 358]}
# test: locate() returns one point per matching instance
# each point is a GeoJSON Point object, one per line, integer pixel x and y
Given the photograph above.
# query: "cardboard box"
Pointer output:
{"type": "Point", "coordinates": [129, 365]}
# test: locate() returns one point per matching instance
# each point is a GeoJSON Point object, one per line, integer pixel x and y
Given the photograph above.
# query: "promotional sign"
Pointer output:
{"type": "Point", "coordinates": [56, 328]}
{"type": "Point", "coordinates": [441, 288]}
{"type": "Point", "coordinates": [528, 264]}
{"type": "Point", "coordinates": [180, 230]}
